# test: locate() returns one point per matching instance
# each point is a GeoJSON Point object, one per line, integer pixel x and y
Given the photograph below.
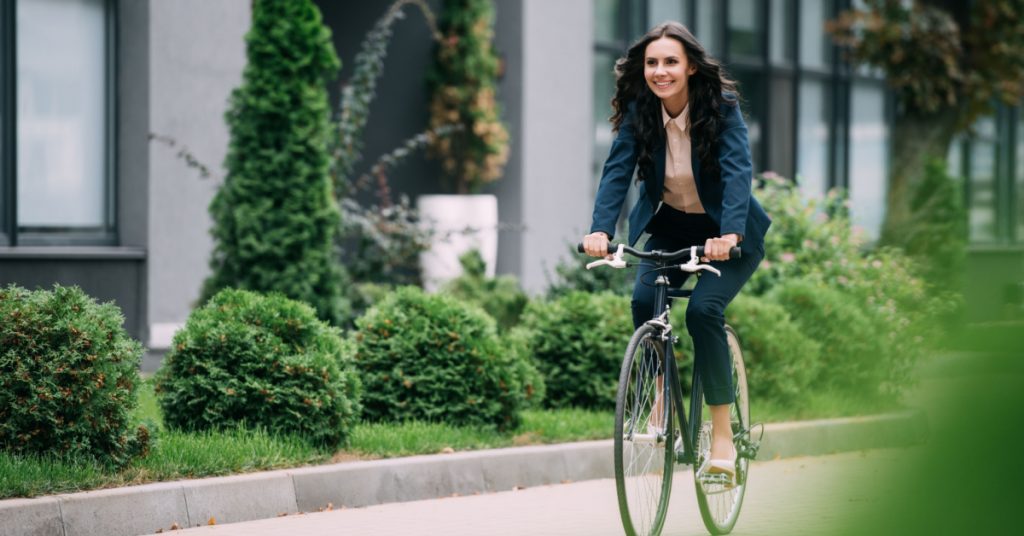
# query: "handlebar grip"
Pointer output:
{"type": "Point", "coordinates": [734, 253]}
{"type": "Point", "coordinates": [611, 247]}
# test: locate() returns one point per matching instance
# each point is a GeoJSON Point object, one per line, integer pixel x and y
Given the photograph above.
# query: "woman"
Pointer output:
{"type": "Point", "coordinates": [679, 126]}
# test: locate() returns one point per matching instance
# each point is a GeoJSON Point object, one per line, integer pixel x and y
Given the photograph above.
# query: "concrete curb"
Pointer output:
{"type": "Point", "coordinates": [147, 508]}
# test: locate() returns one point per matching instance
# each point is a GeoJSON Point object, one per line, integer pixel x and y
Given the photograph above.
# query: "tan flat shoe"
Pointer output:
{"type": "Point", "coordinates": [720, 466]}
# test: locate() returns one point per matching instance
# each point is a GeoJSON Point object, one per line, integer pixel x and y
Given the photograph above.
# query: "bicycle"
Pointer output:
{"type": "Point", "coordinates": [644, 424]}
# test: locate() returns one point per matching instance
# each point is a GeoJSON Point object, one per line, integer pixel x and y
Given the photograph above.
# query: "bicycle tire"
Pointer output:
{"type": "Point", "coordinates": [719, 503]}
{"type": "Point", "coordinates": [644, 465]}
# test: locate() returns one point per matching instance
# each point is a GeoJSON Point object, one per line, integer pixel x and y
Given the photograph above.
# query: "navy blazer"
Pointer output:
{"type": "Point", "coordinates": [729, 201]}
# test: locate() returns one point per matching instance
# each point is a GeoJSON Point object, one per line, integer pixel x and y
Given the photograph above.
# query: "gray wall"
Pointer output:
{"type": "Point", "coordinates": [196, 57]}
{"type": "Point", "coordinates": [508, 41]}
{"type": "Point", "coordinates": [557, 134]}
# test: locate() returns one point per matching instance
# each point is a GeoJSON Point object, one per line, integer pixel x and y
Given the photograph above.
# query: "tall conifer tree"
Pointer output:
{"type": "Point", "coordinates": [275, 217]}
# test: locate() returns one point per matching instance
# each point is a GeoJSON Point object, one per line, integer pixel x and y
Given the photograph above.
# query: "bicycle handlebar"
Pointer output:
{"type": "Point", "coordinates": [658, 255]}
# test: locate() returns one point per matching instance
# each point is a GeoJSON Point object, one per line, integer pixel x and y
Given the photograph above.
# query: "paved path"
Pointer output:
{"type": "Point", "coordinates": [809, 495]}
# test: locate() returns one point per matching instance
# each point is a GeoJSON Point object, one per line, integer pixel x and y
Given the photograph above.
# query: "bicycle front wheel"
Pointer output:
{"type": "Point", "coordinates": [644, 457]}
{"type": "Point", "coordinates": [718, 498]}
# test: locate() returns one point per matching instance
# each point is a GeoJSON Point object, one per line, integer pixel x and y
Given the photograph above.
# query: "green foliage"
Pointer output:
{"type": "Point", "coordinates": [463, 84]}
{"type": "Point", "coordinates": [947, 57]}
{"type": "Point", "coordinates": [572, 275]}
{"type": "Point", "coordinates": [939, 238]}
{"type": "Point", "coordinates": [808, 237]}
{"type": "Point", "coordinates": [782, 360]}
{"type": "Point", "coordinates": [499, 296]}
{"type": "Point", "coordinates": [261, 361]}
{"type": "Point", "coordinates": [852, 355]}
{"type": "Point", "coordinates": [382, 244]}
{"type": "Point", "coordinates": [870, 313]}
{"type": "Point", "coordinates": [433, 358]}
{"type": "Point", "coordinates": [578, 341]}
{"type": "Point", "coordinates": [68, 377]}
{"type": "Point", "coordinates": [275, 217]}
{"type": "Point", "coordinates": [516, 342]}
{"type": "Point", "coordinates": [906, 315]}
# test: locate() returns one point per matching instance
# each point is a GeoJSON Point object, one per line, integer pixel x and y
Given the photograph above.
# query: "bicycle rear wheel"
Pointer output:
{"type": "Point", "coordinates": [644, 456]}
{"type": "Point", "coordinates": [718, 498]}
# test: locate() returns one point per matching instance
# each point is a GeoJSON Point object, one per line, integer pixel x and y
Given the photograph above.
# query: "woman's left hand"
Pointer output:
{"type": "Point", "coordinates": [717, 249]}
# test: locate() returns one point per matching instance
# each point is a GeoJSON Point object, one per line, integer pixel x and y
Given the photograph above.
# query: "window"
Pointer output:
{"type": "Point", "coordinates": [991, 160]}
{"type": "Point", "coordinates": [982, 182]}
{"type": "Point", "coordinates": [745, 29]}
{"type": "Point", "coordinates": [869, 157]}
{"type": "Point", "coordinates": [1019, 175]}
{"type": "Point", "coordinates": [58, 91]}
{"type": "Point", "coordinates": [708, 27]}
{"type": "Point", "coordinates": [659, 11]}
{"type": "Point", "coordinates": [6, 124]}
{"type": "Point", "coordinates": [782, 46]}
{"type": "Point", "coordinates": [751, 88]}
{"type": "Point", "coordinates": [813, 137]}
{"type": "Point", "coordinates": [815, 45]}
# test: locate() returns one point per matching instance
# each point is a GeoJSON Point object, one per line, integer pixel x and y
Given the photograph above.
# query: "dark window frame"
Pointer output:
{"type": "Point", "coordinates": [1004, 176]}
{"type": "Point", "coordinates": [11, 234]}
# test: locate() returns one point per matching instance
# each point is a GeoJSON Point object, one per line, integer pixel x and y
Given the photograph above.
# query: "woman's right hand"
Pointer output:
{"type": "Point", "coordinates": [596, 244]}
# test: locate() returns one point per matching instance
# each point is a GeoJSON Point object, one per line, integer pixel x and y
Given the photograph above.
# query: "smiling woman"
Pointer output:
{"type": "Point", "coordinates": [667, 71]}
{"type": "Point", "coordinates": [679, 127]}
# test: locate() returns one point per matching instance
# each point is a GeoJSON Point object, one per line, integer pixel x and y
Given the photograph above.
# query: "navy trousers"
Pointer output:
{"type": "Point", "coordinates": [705, 314]}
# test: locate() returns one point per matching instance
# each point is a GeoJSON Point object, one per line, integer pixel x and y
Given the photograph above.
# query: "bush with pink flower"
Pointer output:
{"type": "Point", "coordinates": [870, 311]}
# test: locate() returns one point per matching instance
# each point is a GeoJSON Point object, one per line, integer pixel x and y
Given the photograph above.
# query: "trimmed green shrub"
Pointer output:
{"type": "Point", "coordinates": [853, 356]}
{"type": "Point", "coordinates": [781, 360]}
{"type": "Point", "coordinates": [265, 361]}
{"type": "Point", "coordinates": [499, 296]}
{"type": "Point", "coordinates": [578, 341]}
{"type": "Point", "coordinates": [68, 377]}
{"type": "Point", "coordinates": [275, 217]}
{"type": "Point", "coordinates": [433, 358]}
{"type": "Point", "coordinates": [516, 342]}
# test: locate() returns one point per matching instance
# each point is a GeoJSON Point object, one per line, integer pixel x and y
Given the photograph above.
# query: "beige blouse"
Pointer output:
{"type": "Point", "coordinates": [680, 189]}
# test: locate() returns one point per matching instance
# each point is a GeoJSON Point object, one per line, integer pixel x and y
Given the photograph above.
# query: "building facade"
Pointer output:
{"type": "Point", "coordinates": [100, 100]}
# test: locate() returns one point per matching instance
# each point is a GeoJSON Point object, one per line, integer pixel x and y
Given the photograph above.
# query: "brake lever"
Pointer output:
{"type": "Point", "coordinates": [693, 265]}
{"type": "Point", "coordinates": [616, 262]}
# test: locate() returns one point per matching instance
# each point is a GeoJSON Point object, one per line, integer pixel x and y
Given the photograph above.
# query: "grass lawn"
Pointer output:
{"type": "Point", "coordinates": [177, 455]}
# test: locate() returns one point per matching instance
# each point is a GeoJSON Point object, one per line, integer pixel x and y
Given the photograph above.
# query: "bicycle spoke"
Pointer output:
{"type": "Point", "coordinates": [642, 458]}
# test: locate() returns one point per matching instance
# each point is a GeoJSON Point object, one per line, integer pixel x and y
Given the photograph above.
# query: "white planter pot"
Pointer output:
{"type": "Point", "coordinates": [459, 223]}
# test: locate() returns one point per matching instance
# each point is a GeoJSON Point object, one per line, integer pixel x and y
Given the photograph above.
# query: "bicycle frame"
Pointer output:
{"type": "Point", "coordinates": [688, 428]}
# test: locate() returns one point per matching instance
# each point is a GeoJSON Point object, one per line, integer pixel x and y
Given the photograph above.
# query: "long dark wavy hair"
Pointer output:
{"type": "Point", "coordinates": [705, 99]}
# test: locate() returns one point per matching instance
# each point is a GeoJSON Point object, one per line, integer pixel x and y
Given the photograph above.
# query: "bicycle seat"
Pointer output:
{"type": "Point", "coordinates": [679, 293]}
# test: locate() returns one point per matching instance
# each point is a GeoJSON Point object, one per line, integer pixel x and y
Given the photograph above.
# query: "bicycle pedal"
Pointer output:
{"type": "Point", "coordinates": [726, 481]}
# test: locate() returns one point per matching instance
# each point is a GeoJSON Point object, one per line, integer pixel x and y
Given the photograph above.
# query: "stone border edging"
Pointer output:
{"type": "Point", "coordinates": [144, 509]}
